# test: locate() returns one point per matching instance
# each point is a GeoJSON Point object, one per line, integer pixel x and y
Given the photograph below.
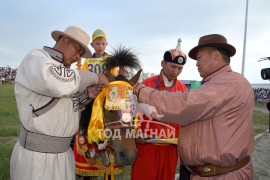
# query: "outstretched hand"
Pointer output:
{"type": "Point", "coordinates": [137, 88]}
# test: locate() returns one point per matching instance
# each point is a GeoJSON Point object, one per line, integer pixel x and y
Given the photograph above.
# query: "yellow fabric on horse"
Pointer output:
{"type": "Point", "coordinates": [96, 125]}
{"type": "Point", "coordinates": [116, 94]}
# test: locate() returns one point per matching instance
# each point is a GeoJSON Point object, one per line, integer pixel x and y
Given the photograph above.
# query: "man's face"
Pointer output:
{"type": "Point", "coordinates": [72, 51]}
{"type": "Point", "coordinates": [171, 70]}
{"type": "Point", "coordinates": [99, 46]}
{"type": "Point", "coordinates": [205, 62]}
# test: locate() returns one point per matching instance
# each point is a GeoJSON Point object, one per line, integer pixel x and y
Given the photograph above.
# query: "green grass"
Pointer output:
{"type": "Point", "coordinates": [5, 154]}
{"type": "Point", "coordinates": [260, 122]}
{"type": "Point", "coordinates": [10, 128]}
{"type": "Point", "coordinates": [261, 105]}
{"type": "Point", "coordinates": [9, 120]}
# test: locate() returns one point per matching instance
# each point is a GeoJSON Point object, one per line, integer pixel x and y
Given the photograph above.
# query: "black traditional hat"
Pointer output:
{"type": "Point", "coordinates": [176, 55]}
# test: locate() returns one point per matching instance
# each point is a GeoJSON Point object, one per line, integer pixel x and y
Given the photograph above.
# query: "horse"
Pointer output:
{"type": "Point", "coordinates": [122, 120]}
{"type": "Point", "coordinates": [117, 119]}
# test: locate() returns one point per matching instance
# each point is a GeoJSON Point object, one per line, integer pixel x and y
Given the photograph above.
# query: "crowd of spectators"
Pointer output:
{"type": "Point", "coordinates": [7, 74]}
{"type": "Point", "coordinates": [261, 94]}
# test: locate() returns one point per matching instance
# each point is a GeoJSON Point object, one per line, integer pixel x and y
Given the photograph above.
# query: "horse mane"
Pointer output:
{"type": "Point", "coordinates": [123, 57]}
{"type": "Point", "coordinates": [85, 118]}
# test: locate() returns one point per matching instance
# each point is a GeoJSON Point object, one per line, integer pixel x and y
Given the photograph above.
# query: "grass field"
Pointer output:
{"type": "Point", "coordinates": [10, 127]}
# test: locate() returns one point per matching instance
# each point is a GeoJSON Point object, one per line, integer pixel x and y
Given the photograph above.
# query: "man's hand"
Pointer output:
{"type": "Point", "coordinates": [103, 80]}
{"type": "Point", "coordinates": [137, 88]}
{"type": "Point", "coordinates": [94, 90]}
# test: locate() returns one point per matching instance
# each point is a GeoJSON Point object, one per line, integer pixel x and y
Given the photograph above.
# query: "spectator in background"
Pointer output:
{"type": "Point", "coordinates": [7, 74]}
{"type": "Point", "coordinates": [261, 94]}
{"type": "Point", "coordinates": [3, 80]}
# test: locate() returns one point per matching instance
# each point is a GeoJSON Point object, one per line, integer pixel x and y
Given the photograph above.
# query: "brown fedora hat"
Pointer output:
{"type": "Point", "coordinates": [212, 40]}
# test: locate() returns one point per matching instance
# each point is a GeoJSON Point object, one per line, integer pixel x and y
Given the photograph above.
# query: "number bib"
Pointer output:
{"type": "Point", "coordinates": [96, 65]}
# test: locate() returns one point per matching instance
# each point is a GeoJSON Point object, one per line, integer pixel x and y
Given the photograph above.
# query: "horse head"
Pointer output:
{"type": "Point", "coordinates": [120, 109]}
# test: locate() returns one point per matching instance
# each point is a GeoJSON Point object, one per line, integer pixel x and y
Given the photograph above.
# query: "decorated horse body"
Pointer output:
{"type": "Point", "coordinates": [109, 120]}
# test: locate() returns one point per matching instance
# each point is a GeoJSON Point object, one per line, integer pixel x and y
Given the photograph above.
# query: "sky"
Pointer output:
{"type": "Point", "coordinates": [148, 27]}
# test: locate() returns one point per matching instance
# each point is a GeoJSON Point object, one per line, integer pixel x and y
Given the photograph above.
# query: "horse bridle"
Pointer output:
{"type": "Point", "coordinates": [120, 124]}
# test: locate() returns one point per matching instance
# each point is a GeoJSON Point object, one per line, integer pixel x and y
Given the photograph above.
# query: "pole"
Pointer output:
{"type": "Point", "coordinates": [268, 107]}
{"type": "Point", "coordinates": [244, 46]}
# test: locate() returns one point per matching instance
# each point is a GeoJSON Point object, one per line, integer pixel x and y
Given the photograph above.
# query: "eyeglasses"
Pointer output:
{"type": "Point", "coordinates": [79, 49]}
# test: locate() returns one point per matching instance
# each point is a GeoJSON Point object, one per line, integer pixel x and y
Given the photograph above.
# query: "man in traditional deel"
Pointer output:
{"type": "Point", "coordinates": [157, 151]}
{"type": "Point", "coordinates": [216, 138]}
{"type": "Point", "coordinates": [49, 98]}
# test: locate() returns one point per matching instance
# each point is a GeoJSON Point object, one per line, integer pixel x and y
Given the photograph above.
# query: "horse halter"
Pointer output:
{"type": "Point", "coordinates": [120, 98]}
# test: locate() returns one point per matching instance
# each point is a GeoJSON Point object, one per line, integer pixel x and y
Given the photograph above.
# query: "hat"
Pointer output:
{"type": "Point", "coordinates": [77, 35]}
{"type": "Point", "coordinates": [98, 33]}
{"type": "Point", "coordinates": [175, 55]}
{"type": "Point", "coordinates": [212, 40]}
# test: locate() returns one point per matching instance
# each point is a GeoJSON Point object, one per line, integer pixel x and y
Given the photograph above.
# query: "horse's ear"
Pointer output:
{"type": "Point", "coordinates": [135, 78]}
{"type": "Point", "coordinates": [109, 75]}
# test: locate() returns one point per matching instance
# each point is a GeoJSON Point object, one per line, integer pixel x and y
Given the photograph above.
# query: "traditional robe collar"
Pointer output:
{"type": "Point", "coordinates": [56, 55]}
{"type": "Point", "coordinates": [95, 56]}
{"type": "Point", "coordinates": [226, 68]}
{"type": "Point", "coordinates": [167, 83]}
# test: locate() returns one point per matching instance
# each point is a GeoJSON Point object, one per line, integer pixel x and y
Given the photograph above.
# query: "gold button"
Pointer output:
{"type": "Point", "coordinates": [206, 169]}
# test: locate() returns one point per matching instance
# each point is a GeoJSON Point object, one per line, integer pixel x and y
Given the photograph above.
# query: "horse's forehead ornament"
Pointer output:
{"type": "Point", "coordinates": [113, 93]}
{"type": "Point", "coordinates": [117, 94]}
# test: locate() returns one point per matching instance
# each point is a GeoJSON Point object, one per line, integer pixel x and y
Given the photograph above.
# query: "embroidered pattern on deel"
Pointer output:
{"type": "Point", "coordinates": [62, 74]}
